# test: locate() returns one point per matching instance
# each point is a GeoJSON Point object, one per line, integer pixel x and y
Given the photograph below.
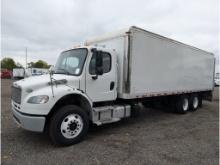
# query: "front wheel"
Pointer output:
{"type": "Point", "coordinates": [68, 125]}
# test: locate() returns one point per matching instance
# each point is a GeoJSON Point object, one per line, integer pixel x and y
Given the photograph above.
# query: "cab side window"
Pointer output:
{"type": "Point", "coordinates": [106, 63]}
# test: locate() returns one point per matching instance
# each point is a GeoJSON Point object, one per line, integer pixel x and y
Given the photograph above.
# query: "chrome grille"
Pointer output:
{"type": "Point", "coordinates": [16, 94]}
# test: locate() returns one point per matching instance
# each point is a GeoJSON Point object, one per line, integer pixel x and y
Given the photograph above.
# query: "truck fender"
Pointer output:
{"type": "Point", "coordinates": [76, 97]}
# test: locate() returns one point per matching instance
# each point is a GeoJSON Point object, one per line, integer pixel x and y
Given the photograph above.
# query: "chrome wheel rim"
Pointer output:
{"type": "Point", "coordinates": [185, 104]}
{"type": "Point", "coordinates": [71, 126]}
{"type": "Point", "coordinates": [195, 102]}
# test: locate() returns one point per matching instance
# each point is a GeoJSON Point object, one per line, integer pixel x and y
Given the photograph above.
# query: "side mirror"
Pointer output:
{"type": "Point", "coordinates": [51, 69]}
{"type": "Point", "coordinates": [99, 63]}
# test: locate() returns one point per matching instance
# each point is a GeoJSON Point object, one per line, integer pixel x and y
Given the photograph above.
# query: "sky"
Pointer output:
{"type": "Point", "coordinates": [46, 27]}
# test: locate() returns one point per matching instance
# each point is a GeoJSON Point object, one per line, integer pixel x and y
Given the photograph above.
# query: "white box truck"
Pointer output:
{"type": "Point", "coordinates": [35, 71]}
{"type": "Point", "coordinates": [18, 73]}
{"type": "Point", "coordinates": [106, 79]}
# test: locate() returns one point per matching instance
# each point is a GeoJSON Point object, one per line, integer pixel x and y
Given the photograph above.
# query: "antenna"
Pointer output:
{"type": "Point", "coordinates": [51, 83]}
{"type": "Point", "coordinates": [26, 57]}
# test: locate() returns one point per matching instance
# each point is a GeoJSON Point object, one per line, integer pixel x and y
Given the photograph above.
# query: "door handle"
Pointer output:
{"type": "Point", "coordinates": [112, 85]}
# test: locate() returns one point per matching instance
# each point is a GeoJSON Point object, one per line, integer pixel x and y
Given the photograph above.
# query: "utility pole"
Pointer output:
{"type": "Point", "coordinates": [26, 57]}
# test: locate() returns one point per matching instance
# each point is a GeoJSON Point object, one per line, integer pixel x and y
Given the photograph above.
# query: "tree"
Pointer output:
{"type": "Point", "coordinates": [8, 63]}
{"type": "Point", "coordinates": [19, 65]}
{"type": "Point", "coordinates": [38, 64]}
{"type": "Point", "coordinates": [31, 65]}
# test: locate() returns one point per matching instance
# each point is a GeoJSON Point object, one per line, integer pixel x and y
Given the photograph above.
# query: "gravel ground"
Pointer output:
{"type": "Point", "coordinates": [155, 137]}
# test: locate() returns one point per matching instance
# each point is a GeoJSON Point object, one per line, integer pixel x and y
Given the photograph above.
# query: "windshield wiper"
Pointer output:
{"type": "Point", "coordinates": [65, 71]}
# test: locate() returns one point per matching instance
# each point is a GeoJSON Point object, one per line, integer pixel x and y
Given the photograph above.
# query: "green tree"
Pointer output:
{"type": "Point", "coordinates": [38, 64]}
{"type": "Point", "coordinates": [31, 65]}
{"type": "Point", "coordinates": [8, 63]}
{"type": "Point", "coordinates": [19, 65]}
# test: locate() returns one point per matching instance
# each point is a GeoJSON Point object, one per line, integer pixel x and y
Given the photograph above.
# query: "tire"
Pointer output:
{"type": "Point", "coordinates": [69, 125]}
{"type": "Point", "coordinates": [147, 104]}
{"type": "Point", "coordinates": [200, 101]}
{"type": "Point", "coordinates": [194, 102]}
{"type": "Point", "coordinates": [135, 110]}
{"type": "Point", "coordinates": [182, 104]}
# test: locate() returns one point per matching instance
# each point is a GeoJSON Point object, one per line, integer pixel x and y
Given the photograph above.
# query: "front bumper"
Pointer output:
{"type": "Point", "coordinates": [28, 122]}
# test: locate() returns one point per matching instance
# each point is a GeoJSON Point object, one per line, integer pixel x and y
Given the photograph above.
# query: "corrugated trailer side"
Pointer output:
{"type": "Point", "coordinates": [161, 66]}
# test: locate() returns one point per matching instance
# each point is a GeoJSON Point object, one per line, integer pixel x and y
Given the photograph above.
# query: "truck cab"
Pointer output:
{"type": "Point", "coordinates": [92, 69]}
{"type": "Point", "coordinates": [81, 78]}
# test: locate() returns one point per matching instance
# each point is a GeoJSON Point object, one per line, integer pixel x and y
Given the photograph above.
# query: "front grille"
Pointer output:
{"type": "Point", "coordinates": [16, 94]}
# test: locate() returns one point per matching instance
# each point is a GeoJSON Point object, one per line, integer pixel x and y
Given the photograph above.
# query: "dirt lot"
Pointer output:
{"type": "Point", "coordinates": [156, 137]}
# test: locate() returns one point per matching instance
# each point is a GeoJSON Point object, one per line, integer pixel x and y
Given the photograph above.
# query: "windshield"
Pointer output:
{"type": "Point", "coordinates": [71, 62]}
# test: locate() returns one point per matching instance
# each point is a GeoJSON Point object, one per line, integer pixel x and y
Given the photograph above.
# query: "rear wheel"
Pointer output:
{"type": "Point", "coordinates": [182, 104]}
{"type": "Point", "coordinates": [68, 125]}
{"type": "Point", "coordinates": [194, 102]}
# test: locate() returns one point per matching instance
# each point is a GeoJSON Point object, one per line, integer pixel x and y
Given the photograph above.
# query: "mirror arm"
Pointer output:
{"type": "Point", "coordinates": [95, 77]}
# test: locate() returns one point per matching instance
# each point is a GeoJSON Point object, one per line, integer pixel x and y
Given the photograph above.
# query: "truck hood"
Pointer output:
{"type": "Point", "coordinates": [36, 82]}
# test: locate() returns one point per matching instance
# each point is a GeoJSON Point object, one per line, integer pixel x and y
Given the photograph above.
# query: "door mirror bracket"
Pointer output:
{"type": "Point", "coordinates": [95, 77]}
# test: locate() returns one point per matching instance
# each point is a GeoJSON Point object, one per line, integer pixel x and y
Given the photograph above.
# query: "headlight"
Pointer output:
{"type": "Point", "coordinates": [41, 99]}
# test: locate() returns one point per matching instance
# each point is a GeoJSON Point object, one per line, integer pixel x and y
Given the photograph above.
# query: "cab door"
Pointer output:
{"type": "Point", "coordinates": [102, 87]}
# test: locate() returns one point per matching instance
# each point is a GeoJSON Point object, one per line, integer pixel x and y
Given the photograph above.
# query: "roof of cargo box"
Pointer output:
{"type": "Point", "coordinates": [126, 31]}
{"type": "Point", "coordinates": [107, 36]}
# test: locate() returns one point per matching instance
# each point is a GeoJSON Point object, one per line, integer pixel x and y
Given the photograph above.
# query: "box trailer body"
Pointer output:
{"type": "Point", "coordinates": [35, 71]}
{"type": "Point", "coordinates": [106, 80]}
{"type": "Point", "coordinates": [153, 65]}
{"type": "Point", "coordinates": [18, 73]}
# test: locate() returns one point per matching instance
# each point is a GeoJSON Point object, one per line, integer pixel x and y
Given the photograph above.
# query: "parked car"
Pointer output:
{"type": "Point", "coordinates": [6, 74]}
